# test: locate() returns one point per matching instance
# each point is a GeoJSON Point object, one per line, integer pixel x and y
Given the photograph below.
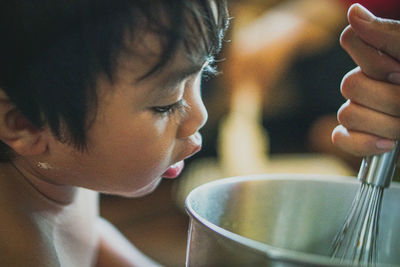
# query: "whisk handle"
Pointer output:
{"type": "Point", "coordinates": [378, 170]}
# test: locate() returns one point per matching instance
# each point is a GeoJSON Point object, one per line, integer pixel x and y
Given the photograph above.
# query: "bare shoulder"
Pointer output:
{"type": "Point", "coordinates": [21, 241]}
{"type": "Point", "coordinates": [34, 232]}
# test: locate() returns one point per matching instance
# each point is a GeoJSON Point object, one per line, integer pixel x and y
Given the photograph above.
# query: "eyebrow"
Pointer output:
{"type": "Point", "coordinates": [168, 83]}
{"type": "Point", "coordinates": [182, 74]}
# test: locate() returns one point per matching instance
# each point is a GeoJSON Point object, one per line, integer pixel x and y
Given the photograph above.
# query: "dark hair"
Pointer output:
{"type": "Point", "coordinates": [51, 52]}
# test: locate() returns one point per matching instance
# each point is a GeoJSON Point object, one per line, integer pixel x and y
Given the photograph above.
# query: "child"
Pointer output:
{"type": "Point", "coordinates": [96, 96]}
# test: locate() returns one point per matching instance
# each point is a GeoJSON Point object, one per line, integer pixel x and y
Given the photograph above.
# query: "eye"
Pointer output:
{"type": "Point", "coordinates": [163, 109]}
{"type": "Point", "coordinates": [169, 109]}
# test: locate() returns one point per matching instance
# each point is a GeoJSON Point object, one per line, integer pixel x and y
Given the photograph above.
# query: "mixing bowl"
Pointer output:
{"type": "Point", "coordinates": [280, 220]}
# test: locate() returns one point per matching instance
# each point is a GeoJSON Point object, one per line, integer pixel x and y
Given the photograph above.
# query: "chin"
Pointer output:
{"type": "Point", "coordinates": [143, 191]}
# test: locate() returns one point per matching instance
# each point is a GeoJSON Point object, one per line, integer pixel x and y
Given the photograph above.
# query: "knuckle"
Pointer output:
{"type": "Point", "coordinates": [344, 114]}
{"type": "Point", "coordinates": [340, 137]}
{"type": "Point", "coordinates": [343, 139]}
{"type": "Point", "coordinates": [346, 36]}
{"type": "Point", "coordinates": [336, 134]}
{"type": "Point", "coordinates": [348, 83]}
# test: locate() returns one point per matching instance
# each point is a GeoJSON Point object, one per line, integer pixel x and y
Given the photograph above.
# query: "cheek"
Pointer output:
{"type": "Point", "coordinates": [139, 151]}
{"type": "Point", "coordinates": [129, 156]}
{"type": "Point", "coordinates": [127, 170]}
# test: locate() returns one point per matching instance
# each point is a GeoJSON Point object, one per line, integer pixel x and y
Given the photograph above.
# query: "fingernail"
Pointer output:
{"type": "Point", "coordinates": [385, 144]}
{"type": "Point", "coordinates": [394, 77]}
{"type": "Point", "coordinates": [363, 13]}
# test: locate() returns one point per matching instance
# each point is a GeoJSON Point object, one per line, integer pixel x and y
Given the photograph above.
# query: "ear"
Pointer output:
{"type": "Point", "coordinates": [17, 132]}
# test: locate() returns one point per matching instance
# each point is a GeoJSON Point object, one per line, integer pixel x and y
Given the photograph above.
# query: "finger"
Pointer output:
{"type": "Point", "coordinates": [372, 62]}
{"type": "Point", "coordinates": [380, 96]}
{"type": "Point", "coordinates": [359, 118]}
{"type": "Point", "coordinates": [383, 34]}
{"type": "Point", "coordinates": [359, 143]}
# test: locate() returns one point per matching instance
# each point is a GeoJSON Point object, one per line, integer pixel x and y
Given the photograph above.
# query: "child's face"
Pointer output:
{"type": "Point", "coordinates": [139, 130]}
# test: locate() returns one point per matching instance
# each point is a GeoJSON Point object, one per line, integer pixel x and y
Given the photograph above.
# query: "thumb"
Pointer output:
{"type": "Point", "coordinates": [383, 34]}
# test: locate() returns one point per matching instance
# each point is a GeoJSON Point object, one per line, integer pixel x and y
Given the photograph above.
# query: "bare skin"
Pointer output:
{"type": "Point", "coordinates": [49, 192]}
{"type": "Point", "coordinates": [44, 236]}
{"type": "Point", "coordinates": [370, 118]}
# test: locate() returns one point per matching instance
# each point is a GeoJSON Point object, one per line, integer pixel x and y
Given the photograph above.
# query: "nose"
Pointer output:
{"type": "Point", "coordinates": [195, 118]}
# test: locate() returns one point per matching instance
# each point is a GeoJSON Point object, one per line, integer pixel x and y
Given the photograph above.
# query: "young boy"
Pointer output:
{"type": "Point", "coordinates": [96, 96]}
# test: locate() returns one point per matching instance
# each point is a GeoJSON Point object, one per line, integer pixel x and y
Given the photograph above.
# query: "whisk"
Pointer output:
{"type": "Point", "coordinates": [356, 241]}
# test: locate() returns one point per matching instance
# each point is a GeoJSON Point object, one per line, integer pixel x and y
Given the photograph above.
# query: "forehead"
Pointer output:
{"type": "Point", "coordinates": [136, 62]}
{"type": "Point", "coordinates": [158, 50]}
{"type": "Point", "coordinates": [145, 52]}
{"type": "Point", "coordinates": [195, 35]}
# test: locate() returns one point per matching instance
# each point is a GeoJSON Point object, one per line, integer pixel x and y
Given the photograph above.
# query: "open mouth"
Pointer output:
{"type": "Point", "coordinates": [174, 170]}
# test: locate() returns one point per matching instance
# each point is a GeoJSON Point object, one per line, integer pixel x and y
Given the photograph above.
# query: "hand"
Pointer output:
{"type": "Point", "coordinates": [370, 118]}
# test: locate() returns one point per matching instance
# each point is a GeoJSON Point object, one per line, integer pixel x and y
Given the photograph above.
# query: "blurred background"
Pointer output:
{"type": "Point", "coordinates": [271, 110]}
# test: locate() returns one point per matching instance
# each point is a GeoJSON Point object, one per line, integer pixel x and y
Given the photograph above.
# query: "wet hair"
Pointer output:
{"type": "Point", "coordinates": [52, 52]}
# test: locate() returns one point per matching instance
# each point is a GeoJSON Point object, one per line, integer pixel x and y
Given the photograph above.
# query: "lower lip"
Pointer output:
{"type": "Point", "coordinates": [174, 170]}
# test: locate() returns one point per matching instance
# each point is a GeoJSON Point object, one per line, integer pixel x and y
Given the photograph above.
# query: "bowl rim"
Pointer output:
{"type": "Point", "coordinates": [272, 252]}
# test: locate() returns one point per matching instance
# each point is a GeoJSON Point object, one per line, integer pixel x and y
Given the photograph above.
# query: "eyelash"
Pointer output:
{"type": "Point", "coordinates": [209, 72]}
{"type": "Point", "coordinates": [170, 109]}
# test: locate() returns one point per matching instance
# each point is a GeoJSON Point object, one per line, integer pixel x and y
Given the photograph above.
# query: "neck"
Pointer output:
{"type": "Point", "coordinates": [58, 194]}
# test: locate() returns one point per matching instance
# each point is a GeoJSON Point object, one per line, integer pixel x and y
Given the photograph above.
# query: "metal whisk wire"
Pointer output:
{"type": "Point", "coordinates": [357, 239]}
